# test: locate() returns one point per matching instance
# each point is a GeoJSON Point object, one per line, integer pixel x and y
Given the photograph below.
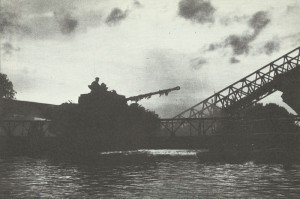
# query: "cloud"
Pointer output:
{"type": "Point", "coordinates": [137, 4]}
{"type": "Point", "coordinates": [234, 60]}
{"type": "Point", "coordinates": [259, 21]}
{"type": "Point", "coordinates": [214, 46]}
{"type": "Point", "coordinates": [9, 28]}
{"type": "Point", "coordinates": [41, 27]}
{"type": "Point", "coordinates": [67, 23]}
{"type": "Point", "coordinates": [197, 10]}
{"type": "Point", "coordinates": [115, 16]}
{"type": "Point", "coordinates": [271, 47]}
{"type": "Point", "coordinates": [240, 44]}
{"type": "Point", "coordinates": [291, 8]}
{"type": "Point", "coordinates": [24, 80]}
{"type": "Point", "coordinates": [197, 63]}
{"type": "Point", "coordinates": [8, 48]}
{"type": "Point", "coordinates": [9, 22]}
{"type": "Point", "coordinates": [44, 19]}
{"type": "Point", "coordinates": [39, 7]}
{"type": "Point", "coordinates": [228, 20]}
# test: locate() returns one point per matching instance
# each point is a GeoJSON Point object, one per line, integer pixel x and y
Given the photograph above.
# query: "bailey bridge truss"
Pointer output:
{"type": "Point", "coordinates": [234, 98]}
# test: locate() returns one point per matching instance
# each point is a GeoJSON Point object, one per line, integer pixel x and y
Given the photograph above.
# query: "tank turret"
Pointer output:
{"type": "Point", "coordinates": [100, 93]}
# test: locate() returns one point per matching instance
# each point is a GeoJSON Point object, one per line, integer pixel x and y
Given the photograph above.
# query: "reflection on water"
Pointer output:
{"type": "Point", "coordinates": [146, 174]}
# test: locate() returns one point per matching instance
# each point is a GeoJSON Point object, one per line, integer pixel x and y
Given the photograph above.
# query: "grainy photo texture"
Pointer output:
{"type": "Point", "coordinates": [149, 99]}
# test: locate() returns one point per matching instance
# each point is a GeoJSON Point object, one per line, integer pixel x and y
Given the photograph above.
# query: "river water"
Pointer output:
{"type": "Point", "coordinates": [145, 174]}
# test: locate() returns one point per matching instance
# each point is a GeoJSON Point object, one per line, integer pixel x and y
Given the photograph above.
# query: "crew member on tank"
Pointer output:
{"type": "Point", "coordinates": [95, 87]}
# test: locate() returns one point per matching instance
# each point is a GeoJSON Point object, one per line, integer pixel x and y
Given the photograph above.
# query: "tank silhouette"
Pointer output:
{"type": "Point", "coordinates": [100, 92]}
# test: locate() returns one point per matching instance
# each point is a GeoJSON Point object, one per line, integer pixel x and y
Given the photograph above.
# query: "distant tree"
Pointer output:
{"type": "Point", "coordinates": [6, 87]}
{"type": "Point", "coordinates": [268, 113]}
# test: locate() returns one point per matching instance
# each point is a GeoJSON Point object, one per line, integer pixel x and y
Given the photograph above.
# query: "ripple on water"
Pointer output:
{"type": "Point", "coordinates": [178, 177]}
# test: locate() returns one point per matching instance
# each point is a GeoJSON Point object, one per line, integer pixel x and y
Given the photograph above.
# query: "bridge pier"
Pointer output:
{"type": "Point", "coordinates": [293, 100]}
{"type": "Point", "coordinates": [289, 84]}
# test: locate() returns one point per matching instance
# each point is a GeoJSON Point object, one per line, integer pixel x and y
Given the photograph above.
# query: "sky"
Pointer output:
{"type": "Point", "coordinates": [53, 49]}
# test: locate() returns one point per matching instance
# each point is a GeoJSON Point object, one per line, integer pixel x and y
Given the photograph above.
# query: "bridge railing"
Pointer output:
{"type": "Point", "coordinates": [215, 125]}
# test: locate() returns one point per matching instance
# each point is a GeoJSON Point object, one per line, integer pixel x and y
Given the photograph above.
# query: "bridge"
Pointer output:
{"type": "Point", "coordinates": [222, 108]}
{"type": "Point", "coordinates": [204, 118]}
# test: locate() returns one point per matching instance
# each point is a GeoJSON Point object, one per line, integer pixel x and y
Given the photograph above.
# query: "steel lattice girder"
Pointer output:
{"type": "Point", "coordinates": [243, 93]}
{"type": "Point", "coordinates": [260, 81]}
{"type": "Point", "coordinates": [205, 126]}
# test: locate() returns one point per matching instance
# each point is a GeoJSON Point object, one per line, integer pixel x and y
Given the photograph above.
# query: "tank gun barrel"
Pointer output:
{"type": "Point", "coordinates": [148, 95]}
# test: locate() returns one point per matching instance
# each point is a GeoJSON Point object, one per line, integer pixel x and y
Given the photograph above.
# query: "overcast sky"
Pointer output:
{"type": "Point", "coordinates": [52, 49]}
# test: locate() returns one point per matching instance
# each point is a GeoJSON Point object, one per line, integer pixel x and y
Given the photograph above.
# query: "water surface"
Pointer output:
{"type": "Point", "coordinates": [145, 174]}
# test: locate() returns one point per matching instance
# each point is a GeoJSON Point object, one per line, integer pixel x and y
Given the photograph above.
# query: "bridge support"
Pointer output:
{"type": "Point", "coordinates": [293, 100]}
{"type": "Point", "coordinates": [290, 86]}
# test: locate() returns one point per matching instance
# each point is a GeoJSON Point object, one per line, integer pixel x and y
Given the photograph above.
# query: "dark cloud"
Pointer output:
{"type": "Point", "coordinates": [197, 10]}
{"type": "Point", "coordinates": [61, 22]}
{"type": "Point", "coordinates": [9, 27]}
{"type": "Point", "coordinates": [67, 23]}
{"type": "Point", "coordinates": [292, 8]}
{"type": "Point", "coordinates": [271, 47]}
{"type": "Point", "coordinates": [115, 16]}
{"type": "Point", "coordinates": [240, 44]}
{"type": "Point", "coordinates": [9, 22]}
{"type": "Point", "coordinates": [234, 60]}
{"type": "Point", "coordinates": [46, 19]}
{"type": "Point", "coordinates": [259, 21]}
{"type": "Point", "coordinates": [214, 46]}
{"type": "Point", "coordinates": [8, 48]}
{"type": "Point", "coordinates": [137, 3]}
{"type": "Point", "coordinates": [197, 63]}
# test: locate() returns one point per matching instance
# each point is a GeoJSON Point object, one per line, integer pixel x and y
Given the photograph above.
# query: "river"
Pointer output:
{"type": "Point", "coordinates": [145, 174]}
